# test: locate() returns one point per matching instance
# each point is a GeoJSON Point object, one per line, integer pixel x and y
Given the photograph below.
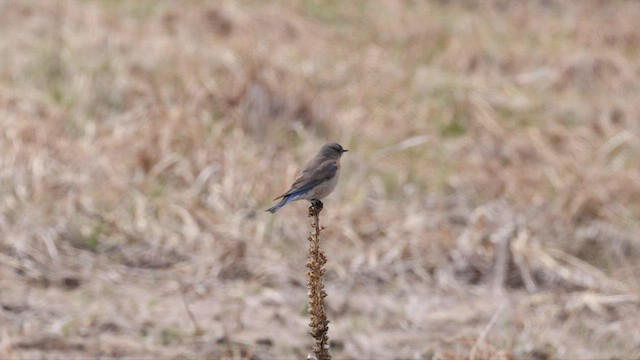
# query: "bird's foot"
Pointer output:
{"type": "Point", "coordinates": [315, 208]}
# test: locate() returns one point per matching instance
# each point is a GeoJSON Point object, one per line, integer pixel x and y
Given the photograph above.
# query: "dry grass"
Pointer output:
{"type": "Point", "coordinates": [488, 206]}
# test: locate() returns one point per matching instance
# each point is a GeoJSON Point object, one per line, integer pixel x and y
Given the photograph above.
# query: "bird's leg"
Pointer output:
{"type": "Point", "coordinates": [316, 207]}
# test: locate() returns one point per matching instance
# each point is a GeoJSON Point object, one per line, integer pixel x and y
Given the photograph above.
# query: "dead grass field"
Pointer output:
{"type": "Point", "coordinates": [489, 206]}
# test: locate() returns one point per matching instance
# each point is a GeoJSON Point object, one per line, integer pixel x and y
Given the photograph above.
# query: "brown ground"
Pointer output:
{"type": "Point", "coordinates": [489, 206]}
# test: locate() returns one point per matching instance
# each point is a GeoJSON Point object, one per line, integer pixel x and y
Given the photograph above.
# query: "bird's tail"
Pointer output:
{"type": "Point", "coordinates": [285, 200]}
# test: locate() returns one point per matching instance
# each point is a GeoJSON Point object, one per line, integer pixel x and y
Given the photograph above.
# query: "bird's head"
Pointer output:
{"type": "Point", "coordinates": [333, 150]}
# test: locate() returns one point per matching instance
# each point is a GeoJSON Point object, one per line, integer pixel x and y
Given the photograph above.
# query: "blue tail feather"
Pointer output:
{"type": "Point", "coordinates": [285, 200]}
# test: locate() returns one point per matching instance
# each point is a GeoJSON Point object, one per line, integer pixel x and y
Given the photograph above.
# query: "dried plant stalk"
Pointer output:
{"type": "Point", "coordinates": [318, 318]}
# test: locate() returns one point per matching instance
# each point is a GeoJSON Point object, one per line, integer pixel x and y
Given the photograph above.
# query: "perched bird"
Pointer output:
{"type": "Point", "coordinates": [316, 180]}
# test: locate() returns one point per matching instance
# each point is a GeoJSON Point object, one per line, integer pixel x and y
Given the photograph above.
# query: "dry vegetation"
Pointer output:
{"type": "Point", "coordinates": [489, 206]}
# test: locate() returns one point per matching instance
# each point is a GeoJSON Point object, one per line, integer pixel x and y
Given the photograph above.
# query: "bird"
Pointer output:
{"type": "Point", "coordinates": [316, 180]}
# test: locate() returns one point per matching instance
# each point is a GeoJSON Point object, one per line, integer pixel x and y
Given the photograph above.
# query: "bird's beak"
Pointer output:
{"type": "Point", "coordinates": [344, 150]}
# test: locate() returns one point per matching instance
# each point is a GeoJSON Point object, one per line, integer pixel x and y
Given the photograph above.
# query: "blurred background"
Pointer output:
{"type": "Point", "coordinates": [489, 204]}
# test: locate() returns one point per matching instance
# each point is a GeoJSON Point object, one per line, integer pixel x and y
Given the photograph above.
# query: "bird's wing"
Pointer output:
{"type": "Point", "coordinates": [310, 178]}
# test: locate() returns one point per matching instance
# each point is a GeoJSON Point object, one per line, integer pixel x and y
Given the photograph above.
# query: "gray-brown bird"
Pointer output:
{"type": "Point", "coordinates": [318, 178]}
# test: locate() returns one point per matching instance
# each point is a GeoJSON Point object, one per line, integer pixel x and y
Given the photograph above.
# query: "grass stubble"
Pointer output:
{"type": "Point", "coordinates": [492, 209]}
